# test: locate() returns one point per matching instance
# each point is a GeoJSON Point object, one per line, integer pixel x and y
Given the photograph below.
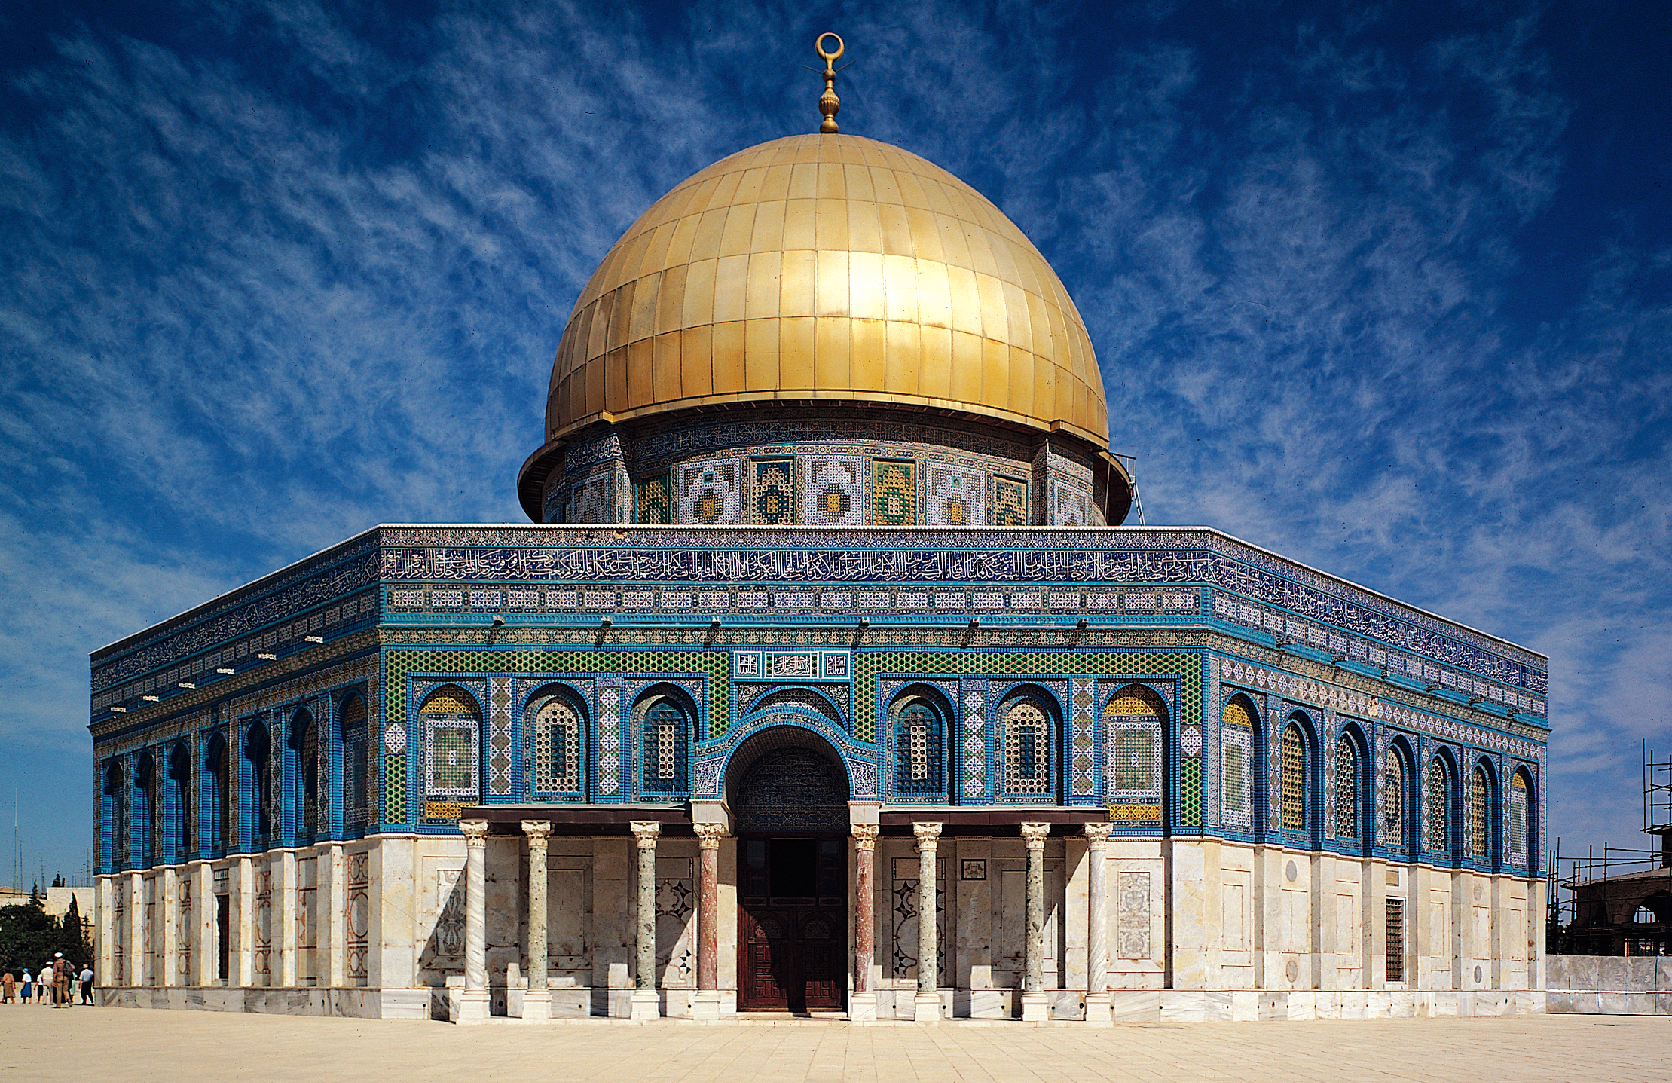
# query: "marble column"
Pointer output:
{"type": "Point", "coordinates": [537, 1002]}
{"type": "Point", "coordinates": [286, 898]}
{"type": "Point", "coordinates": [1097, 925]}
{"type": "Point", "coordinates": [138, 934]}
{"type": "Point", "coordinates": [927, 1007]}
{"type": "Point", "coordinates": [106, 939]}
{"type": "Point", "coordinates": [862, 1004]}
{"type": "Point", "coordinates": [206, 946]}
{"type": "Point", "coordinates": [474, 1004]}
{"type": "Point", "coordinates": [646, 1003]}
{"type": "Point", "coordinates": [706, 1009]}
{"type": "Point", "coordinates": [336, 908]}
{"type": "Point", "coordinates": [243, 923]}
{"type": "Point", "coordinates": [1036, 1006]}
{"type": "Point", "coordinates": [168, 963]}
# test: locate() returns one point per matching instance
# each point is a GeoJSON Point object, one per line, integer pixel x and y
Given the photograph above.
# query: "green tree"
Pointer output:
{"type": "Point", "coordinates": [29, 936]}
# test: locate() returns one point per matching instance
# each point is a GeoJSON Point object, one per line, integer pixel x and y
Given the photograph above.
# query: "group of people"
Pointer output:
{"type": "Point", "coordinates": [55, 984]}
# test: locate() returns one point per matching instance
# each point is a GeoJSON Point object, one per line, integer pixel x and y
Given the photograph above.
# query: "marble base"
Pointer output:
{"type": "Point", "coordinates": [475, 1006]}
{"type": "Point", "coordinates": [537, 1006]}
{"type": "Point", "coordinates": [1099, 1010]}
{"type": "Point", "coordinates": [705, 1007]}
{"type": "Point", "coordinates": [646, 1005]}
{"type": "Point", "coordinates": [926, 1007]}
{"type": "Point", "coordinates": [1036, 1008]}
{"type": "Point", "coordinates": [862, 1007]}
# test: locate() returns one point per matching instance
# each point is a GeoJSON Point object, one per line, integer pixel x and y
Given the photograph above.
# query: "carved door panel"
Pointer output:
{"type": "Point", "coordinates": [823, 977]}
{"type": "Point", "coordinates": [767, 957]}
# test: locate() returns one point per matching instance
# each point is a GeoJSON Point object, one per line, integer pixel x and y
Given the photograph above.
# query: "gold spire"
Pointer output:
{"type": "Point", "coordinates": [829, 104]}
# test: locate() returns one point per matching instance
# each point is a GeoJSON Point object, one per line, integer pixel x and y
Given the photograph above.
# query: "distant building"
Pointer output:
{"type": "Point", "coordinates": [823, 625]}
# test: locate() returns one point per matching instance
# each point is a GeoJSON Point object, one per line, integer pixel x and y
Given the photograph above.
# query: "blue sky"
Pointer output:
{"type": "Point", "coordinates": [1382, 287]}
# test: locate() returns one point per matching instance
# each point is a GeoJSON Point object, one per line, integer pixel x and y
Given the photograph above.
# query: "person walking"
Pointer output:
{"type": "Point", "coordinates": [43, 983]}
{"type": "Point", "coordinates": [87, 984]}
{"type": "Point", "coordinates": [8, 988]}
{"type": "Point", "coordinates": [61, 982]}
{"type": "Point", "coordinates": [28, 985]}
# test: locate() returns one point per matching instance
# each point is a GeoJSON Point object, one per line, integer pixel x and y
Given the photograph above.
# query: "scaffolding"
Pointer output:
{"type": "Point", "coordinates": [1618, 900]}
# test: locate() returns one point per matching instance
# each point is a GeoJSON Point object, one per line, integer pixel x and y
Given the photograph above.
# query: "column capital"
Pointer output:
{"type": "Point", "coordinates": [645, 831]}
{"type": "Point", "coordinates": [928, 834]}
{"type": "Point", "coordinates": [1097, 834]}
{"type": "Point", "coordinates": [709, 835]}
{"type": "Point", "coordinates": [1035, 834]}
{"type": "Point", "coordinates": [865, 836]}
{"type": "Point", "coordinates": [475, 833]}
{"type": "Point", "coordinates": [537, 829]}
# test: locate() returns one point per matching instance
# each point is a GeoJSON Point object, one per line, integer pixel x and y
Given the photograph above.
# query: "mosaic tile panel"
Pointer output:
{"type": "Point", "coordinates": [953, 497]}
{"type": "Point", "coordinates": [835, 490]}
{"type": "Point", "coordinates": [711, 491]}
{"type": "Point", "coordinates": [893, 492]}
{"type": "Point", "coordinates": [1010, 502]}
{"type": "Point", "coordinates": [975, 744]}
{"type": "Point", "coordinates": [772, 491]}
{"type": "Point", "coordinates": [609, 739]}
{"type": "Point", "coordinates": [1082, 752]}
{"type": "Point", "coordinates": [500, 752]}
{"type": "Point", "coordinates": [653, 500]}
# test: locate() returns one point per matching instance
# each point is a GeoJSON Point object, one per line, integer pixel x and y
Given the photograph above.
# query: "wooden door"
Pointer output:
{"type": "Point", "coordinates": [763, 974]}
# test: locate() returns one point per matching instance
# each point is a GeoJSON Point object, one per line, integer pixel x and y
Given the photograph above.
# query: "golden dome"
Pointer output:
{"type": "Point", "coordinates": [826, 267]}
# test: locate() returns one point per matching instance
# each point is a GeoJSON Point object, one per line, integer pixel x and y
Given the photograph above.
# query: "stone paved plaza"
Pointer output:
{"type": "Point", "coordinates": [121, 1044]}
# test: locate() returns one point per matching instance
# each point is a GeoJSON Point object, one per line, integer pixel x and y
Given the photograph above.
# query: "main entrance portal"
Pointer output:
{"type": "Point", "coordinates": [788, 795]}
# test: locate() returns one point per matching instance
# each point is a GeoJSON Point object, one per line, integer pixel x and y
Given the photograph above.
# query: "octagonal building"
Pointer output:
{"type": "Point", "coordinates": [825, 623]}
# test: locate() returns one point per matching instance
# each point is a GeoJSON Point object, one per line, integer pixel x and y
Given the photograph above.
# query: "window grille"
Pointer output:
{"type": "Point", "coordinates": [1393, 801]}
{"type": "Point", "coordinates": [1133, 727]}
{"type": "Point", "coordinates": [1395, 950]}
{"type": "Point", "coordinates": [1439, 801]}
{"type": "Point", "coordinates": [451, 729]}
{"type": "Point", "coordinates": [1518, 820]}
{"type": "Point", "coordinates": [1477, 812]}
{"type": "Point", "coordinates": [1027, 749]}
{"type": "Point", "coordinates": [1346, 789]}
{"type": "Point", "coordinates": [1293, 778]}
{"type": "Point", "coordinates": [355, 798]}
{"type": "Point", "coordinates": [664, 749]}
{"type": "Point", "coordinates": [918, 759]}
{"type": "Point", "coordinates": [557, 748]}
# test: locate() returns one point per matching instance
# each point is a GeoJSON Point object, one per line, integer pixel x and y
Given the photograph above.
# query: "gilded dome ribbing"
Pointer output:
{"type": "Point", "coordinates": [830, 268]}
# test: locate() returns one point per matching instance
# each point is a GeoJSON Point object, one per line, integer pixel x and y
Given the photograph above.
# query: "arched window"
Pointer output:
{"type": "Point", "coordinates": [351, 718]}
{"type": "Point", "coordinates": [145, 816]}
{"type": "Point", "coordinates": [258, 755]}
{"type": "Point", "coordinates": [1236, 751]}
{"type": "Point", "coordinates": [1518, 812]}
{"type": "Point", "coordinates": [304, 744]}
{"type": "Point", "coordinates": [1392, 818]}
{"type": "Point", "coordinates": [113, 853]}
{"type": "Point", "coordinates": [182, 832]}
{"type": "Point", "coordinates": [1438, 808]}
{"type": "Point", "coordinates": [1132, 732]}
{"type": "Point", "coordinates": [1479, 802]}
{"type": "Point", "coordinates": [218, 806]}
{"type": "Point", "coordinates": [666, 737]}
{"type": "Point", "coordinates": [1292, 771]}
{"type": "Point", "coordinates": [1346, 789]}
{"type": "Point", "coordinates": [557, 746]}
{"type": "Point", "coordinates": [919, 759]}
{"type": "Point", "coordinates": [452, 736]}
{"type": "Point", "coordinates": [1027, 749]}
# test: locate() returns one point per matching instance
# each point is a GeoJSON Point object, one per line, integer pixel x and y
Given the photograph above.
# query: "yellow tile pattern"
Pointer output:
{"type": "Point", "coordinates": [831, 267]}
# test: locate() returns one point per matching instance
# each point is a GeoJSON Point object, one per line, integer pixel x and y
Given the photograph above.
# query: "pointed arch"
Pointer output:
{"type": "Point", "coordinates": [920, 715]}
{"type": "Point", "coordinates": [310, 786]}
{"type": "Point", "coordinates": [1352, 787]}
{"type": "Point", "coordinates": [1482, 800]}
{"type": "Point", "coordinates": [219, 808]}
{"type": "Point", "coordinates": [1134, 721]}
{"type": "Point", "coordinates": [1521, 819]}
{"type": "Point", "coordinates": [452, 725]}
{"type": "Point", "coordinates": [1029, 722]}
{"type": "Point", "coordinates": [1238, 724]}
{"type": "Point", "coordinates": [666, 717]}
{"type": "Point", "coordinates": [1437, 805]}
{"type": "Point", "coordinates": [179, 838]}
{"type": "Point", "coordinates": [145, 820]}
{"type": "Point", "coordinates": [259, 795]}
{"type": "Point", "coordinates": [1294, 764]}
{"type": "Point", "coordinates": [556, 722]}
{"type": "Point", "coordinates": [113, 818]}
{"type": "Point", "coordinates": [1396, 801]}
{"type": "Point", "coordinates": [354, 738]}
